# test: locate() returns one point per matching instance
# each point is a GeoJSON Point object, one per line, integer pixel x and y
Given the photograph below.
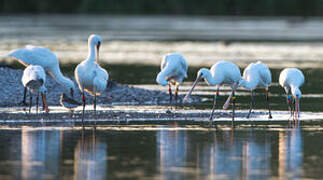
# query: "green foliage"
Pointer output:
{"type": "Point", "coordinates": [191, 7]}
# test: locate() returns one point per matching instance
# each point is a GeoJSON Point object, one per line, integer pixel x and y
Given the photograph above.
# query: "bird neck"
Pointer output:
{"type": "Point", "coordinates": [59, 77]}
{"type": "Point", "coordinates": [295, 91]}
{"type": "Point", "coordinates": [91, 52]}
{"type": "Point", "coordinates": [162, 76]}
{"type": "Point", "coordinates": [211, 79]}
{"type": "Point", "coordinates": [250, 84]}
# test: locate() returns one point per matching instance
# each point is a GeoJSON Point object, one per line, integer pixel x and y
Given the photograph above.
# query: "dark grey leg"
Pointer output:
{"type": "Point", "coordinates": [268, 105]}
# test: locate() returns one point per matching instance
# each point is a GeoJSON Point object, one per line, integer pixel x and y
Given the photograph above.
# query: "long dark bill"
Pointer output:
{"type": "Point", "coordinates": [192, 88]}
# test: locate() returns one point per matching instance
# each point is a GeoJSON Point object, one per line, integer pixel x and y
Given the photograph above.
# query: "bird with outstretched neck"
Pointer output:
{"type": "Point", "coordinates": [220, 73]}
{"type": "Point", "coordinates": [33, 55]}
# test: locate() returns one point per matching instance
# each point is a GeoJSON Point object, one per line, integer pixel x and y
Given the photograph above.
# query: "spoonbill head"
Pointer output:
{"type": "Point", "coordinates": [34, 79]}
{"type": "Point", "coordinates": [256, 75]}
{"type": "Point", "coordinates": [220, 73]}
{"type": "Point", "coordinates": [291, 79]}
{"type": "Point", "coordinates": [173, 72]}
{"type": "Point", "coordinates": [89, 76]}
{"type": "Point", "coordinates": [34, 55]}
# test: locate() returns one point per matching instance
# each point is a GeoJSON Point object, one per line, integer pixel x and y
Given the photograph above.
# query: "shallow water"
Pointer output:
{"type": "Point", "coordinates": [171, 150]}
{"type": "Point", "coordinates": [161, 152]}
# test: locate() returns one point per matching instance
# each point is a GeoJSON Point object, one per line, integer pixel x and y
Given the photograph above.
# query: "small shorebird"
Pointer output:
{"type": "Point", "coordinates": [34, 79]}
{"type": "Point", "coordinates": [90, 77]}
{"type": "Point", "coordinates": [220, 73]}
{"type": "Point", "coordinates": [69, 103]}
{"type": "Point", "coordinates": [33, 55]}
{"type": "Point", "coordinates": [173, 71]}
{"type": "Point", "coordinates": [256, 75]}
{"type": "Point", "coordinates": [291, 79]}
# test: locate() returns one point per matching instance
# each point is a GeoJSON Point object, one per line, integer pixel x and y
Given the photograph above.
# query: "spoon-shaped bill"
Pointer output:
{"type": "Point", "coordinates": [227, 102]}
{"type": "Point", "coordinates": [192, 88]}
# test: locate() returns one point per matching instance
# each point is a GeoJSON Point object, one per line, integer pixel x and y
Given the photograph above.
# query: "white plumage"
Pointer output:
{"type": "Point", "coordinates": [291, 79]}
{"type": "Point", "coordinates": [34, 79]}
{"type": "Point", "coordinates": [256, 75]}
{"type": "Point", "coordinates": [90, 77]}
{"type": "Point", "coordinates": [33, 55]}
{"type": "Point", "coordinates": [173, 71]}
{"type": "Point", "coordinates": [220, 73]}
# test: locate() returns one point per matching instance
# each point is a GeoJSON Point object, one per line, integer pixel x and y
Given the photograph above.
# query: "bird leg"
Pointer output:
{"type": "Point", "coordinates": [37, 101]}
{"type": "Point", "coordinates": [24, 98]}
{"type": "Point", "coordinates": [268, 105]}
{"type": "Point", "coordinates": [45, 105]}
{"type": "Point", "coordinates": [176, 92]}
{"type": "Point", "coordinates": [214, 105]}
{"type": "Point", "coordinates": [233, 98]}
{"type": "Point", "coordinates": [170, 94]}
{"type": "Point", "coordinates": [94, 106]}
{"type": "Point", "coordinates": [30, 101]}
{"type": "Point", "coordinates": [289, 102]}
{"type": "Point", "coordinates": [83, 101]}
{"type": "Point", "coordinates": [252, 104]}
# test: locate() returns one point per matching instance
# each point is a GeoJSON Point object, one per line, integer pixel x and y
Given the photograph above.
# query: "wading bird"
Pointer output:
{"type": "Point", "coordinates": [256, 75]}
{"type": "Point", "coordinates": [220, 73]}
{"type": "Point", "coordinates": [291, 79]}
{"type": "Point", "coordinates": [173, 71]}
{"type": "Point", "coordinates": [90, 77]}
{"type": "Point", "coordinates": [34, 79]}
{"type": "Point", "coordinates": [33, 55]}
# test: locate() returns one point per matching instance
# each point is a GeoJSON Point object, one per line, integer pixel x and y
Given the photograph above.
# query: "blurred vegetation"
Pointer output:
{"type": "Point", "coordinates": [191, 7]}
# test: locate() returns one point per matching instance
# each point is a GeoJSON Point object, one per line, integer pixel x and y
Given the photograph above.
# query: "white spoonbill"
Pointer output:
{"type": "Point", "coordinates": [173, 71]}
{"type": "Point", "coordinates": [90, 77]}
{"type": "Point", "coordinates": [291, 79]}
{"type": "Point", "coordinates": [34, 79]}
{"type": "Point", "coordinates": [220, 73]}
{"type": "Point", "coordinates": [33, 55]}
{"type": "Point", "coordinates": [256, 75]}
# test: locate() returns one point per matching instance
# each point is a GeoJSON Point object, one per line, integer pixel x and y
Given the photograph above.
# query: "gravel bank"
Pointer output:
{"type": "Point", "coordinates": [11, 92]}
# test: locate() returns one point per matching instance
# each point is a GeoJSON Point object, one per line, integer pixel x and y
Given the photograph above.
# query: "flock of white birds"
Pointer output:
{"type": "Point", "coordinates": [91, 78]}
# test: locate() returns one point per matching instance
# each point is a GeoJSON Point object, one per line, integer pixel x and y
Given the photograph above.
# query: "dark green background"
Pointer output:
{"type": "Point", "coordinates": [187, 7]}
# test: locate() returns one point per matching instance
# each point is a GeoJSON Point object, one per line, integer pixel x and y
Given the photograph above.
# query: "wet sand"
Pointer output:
{"type": "Point", "coordinates": [145, 114]}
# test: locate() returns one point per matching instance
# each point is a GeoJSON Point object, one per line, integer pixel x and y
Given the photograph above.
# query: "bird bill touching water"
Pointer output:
{"type": "Point", "coordinates": [173, 72]}
{"type": "Point", "coordinates": [291, 79]}
{"type": "Point", "coordinates": [220, 73]}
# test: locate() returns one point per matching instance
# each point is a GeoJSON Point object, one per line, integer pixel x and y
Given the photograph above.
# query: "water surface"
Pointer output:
{"type": "Point", "coordinates": [161, 152]}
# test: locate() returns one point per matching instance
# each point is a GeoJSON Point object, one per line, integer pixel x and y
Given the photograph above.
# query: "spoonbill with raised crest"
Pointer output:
{"type": "Point", "coordinates": [291, 79]}
{"type": "Point", "coordinates": [256, 75]}
{"type": "Point", "coordinates": [173, 71]}
{"type": "Point", "coordinates": [220, 73]}
{"type": "Point", "coordinates": [89, 76]}
{"type": "Point", "coordinates": [34, 79]}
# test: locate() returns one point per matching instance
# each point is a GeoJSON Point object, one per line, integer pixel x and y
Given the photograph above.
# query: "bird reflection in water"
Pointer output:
{"type": "Point", "coordinates": [90, 157]}
{"type": "Point", "coordinates": [40, 150]}
{"type": "Point", "coordinates": [290, 154]}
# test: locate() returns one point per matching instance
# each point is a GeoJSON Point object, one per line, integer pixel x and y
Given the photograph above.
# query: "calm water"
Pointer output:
{"type": "Point", "coordinates": [161, 152]}
{"type": "Point", "coordinates": [171, 151]}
